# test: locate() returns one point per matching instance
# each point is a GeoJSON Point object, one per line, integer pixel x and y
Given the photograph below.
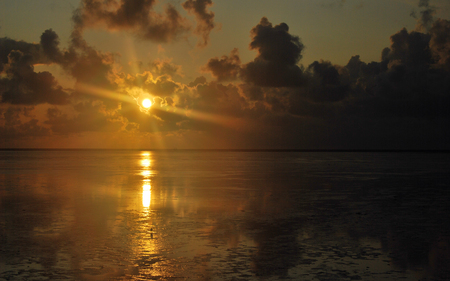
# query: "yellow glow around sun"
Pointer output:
{"type": "Point", "coordinates": [146, 103]}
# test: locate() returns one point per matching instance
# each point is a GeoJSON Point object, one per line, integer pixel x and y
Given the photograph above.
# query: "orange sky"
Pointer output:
{"type": "Point", "coordinates": [327, 74]}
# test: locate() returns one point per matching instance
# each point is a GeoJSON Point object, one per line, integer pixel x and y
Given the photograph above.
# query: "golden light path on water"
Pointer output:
{"type": "Point", "coordinates": [146, 195]}
{"type": "Point", "coordinates": [190, 113]}
{"type": "Point", "coordinates": [146, 186]}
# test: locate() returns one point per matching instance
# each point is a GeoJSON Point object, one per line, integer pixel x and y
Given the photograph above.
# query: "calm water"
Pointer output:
{"type": "Point", "coordinates": [222, 215]}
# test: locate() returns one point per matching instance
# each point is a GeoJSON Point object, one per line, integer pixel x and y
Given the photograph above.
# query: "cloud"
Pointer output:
{"type": "Point", "coordinates": [198, 80]}
{"type": "Point", "coordinates": [205, 19]}
{"type": "Point", "coordinates": [227, 68]}
{"type": "Point", "coordinates": [440, 42]}
{"type": "Point", "coordinates": [410, 48]}
{"type": "Point", "coordinates": [21, 85]}
{"type": "Point", "coordinates": [88, 117]}
{"type": "Point", "coordinates": [7, 45]}
{"type": "Point", "coordinates": [137, 16]}
{"type": "Point", "coordinates": [166, 67]}
{"type": "Point", "coordinates": [271, 101]}
{"type": "Point", "coordinates": [50, 45]}
{"type": "Point", "coordinates": [426, 19]}
{"type": "Point", "coordinates": [278, 55]}
{"type": "Point", "coordinates": [359, 104]}
{"type": "Point", "coordinates": [326, 83]}
{"type": "Point", "coordinates": [160, 86]}
{"type": "Point", "coordinates": [17, 122]}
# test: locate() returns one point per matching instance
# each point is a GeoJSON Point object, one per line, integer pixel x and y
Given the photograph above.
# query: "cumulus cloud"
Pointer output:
{"type": "Point", "coordinates": [272, 101]}
{"type": "Point", "coordinates": [440, 42]}
{"type": "Point", "coordinates": [166, 67]}
{"type": "Point", "coordinates": [326, 83]}
{"type": "Point", "coordinates": [92, 70]}
{"type": "Point", "coordinates": [8, 45]}
{"type": "Point", "coordinates": [160, 86]}
{"type": "Point", "coordinates": [358, 105]}
{"type": "Point", "coordinates": [50, 45]}
{"type": "Point", "coordinates": [137, 16]}
{"type": "Point", "coordinates": [22, 85]}
{"type": "Point", "coordinates": [278, 55]}
{"type": "Point", "coordinates": [226, 68]}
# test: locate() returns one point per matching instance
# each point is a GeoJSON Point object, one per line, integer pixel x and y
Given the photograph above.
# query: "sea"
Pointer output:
{"type": "Point", "coordinates": [224, 215]}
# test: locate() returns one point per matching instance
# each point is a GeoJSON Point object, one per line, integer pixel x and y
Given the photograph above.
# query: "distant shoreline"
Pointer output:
{"type": "Point", "coordinates": [238, 150]}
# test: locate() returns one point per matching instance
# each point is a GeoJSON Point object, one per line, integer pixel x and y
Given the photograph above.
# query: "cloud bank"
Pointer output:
{"type": "Point", "coordinates": [272, 101]}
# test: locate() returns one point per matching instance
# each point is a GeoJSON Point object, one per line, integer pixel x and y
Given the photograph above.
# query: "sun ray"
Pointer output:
{"type": "Point", "coordinates": [96, 91]}
{"type": "Point", "coordinates": [138, 96]}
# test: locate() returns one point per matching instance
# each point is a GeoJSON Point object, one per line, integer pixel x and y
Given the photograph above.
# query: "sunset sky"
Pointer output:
{"type": "Point", "coordinates": [225, 74]}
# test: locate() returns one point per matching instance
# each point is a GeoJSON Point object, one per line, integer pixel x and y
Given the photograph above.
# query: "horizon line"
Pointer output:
{"type": "Point", "coordinates": [235, 150]}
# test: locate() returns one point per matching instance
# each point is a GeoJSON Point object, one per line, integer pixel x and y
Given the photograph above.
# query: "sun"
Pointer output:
{"type": "Point", "coordinates": [146, 103]}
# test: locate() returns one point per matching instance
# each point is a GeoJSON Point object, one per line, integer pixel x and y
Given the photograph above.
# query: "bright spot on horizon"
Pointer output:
{"type": "Point", "coordinates": [146, 103]}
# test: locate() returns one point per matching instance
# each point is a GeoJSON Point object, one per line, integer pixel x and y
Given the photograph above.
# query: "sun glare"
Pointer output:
{"type": "Point", "coordinates": [146, 103]}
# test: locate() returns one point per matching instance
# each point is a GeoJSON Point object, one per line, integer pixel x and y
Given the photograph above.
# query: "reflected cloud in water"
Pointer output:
{"type": "Point", "coordinates": [230, 215]}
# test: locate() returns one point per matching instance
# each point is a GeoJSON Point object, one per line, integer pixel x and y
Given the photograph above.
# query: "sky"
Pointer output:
{"type": "Point", "coordinates": [304, 74]}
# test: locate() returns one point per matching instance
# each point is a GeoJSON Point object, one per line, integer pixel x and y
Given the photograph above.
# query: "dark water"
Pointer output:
{"type": "Point", "coordinates": [222, 215]}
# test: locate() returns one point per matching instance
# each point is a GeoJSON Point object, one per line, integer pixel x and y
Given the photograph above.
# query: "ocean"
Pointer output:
{"type": "Point", "coordinates": [224, 215]}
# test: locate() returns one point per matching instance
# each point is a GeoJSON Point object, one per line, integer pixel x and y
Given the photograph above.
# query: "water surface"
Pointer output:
{"type": "Point", "coordinates": [223, 215]}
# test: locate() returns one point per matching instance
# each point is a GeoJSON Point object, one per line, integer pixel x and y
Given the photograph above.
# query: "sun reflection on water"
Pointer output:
{"type": "Point", "coordinates": [146, 186]}
{"type": "Point", "coordinates": [146, 195]}
{"type": "Point", "coordinates": [145, 162]}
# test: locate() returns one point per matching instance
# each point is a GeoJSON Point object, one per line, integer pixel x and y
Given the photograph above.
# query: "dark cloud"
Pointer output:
{"type": "Point", "coordinates": [50, 45]}
{"type": "Point", "coordinates": [227, 68]}
{"type": "Point", "coordinates": [205, 19]}
{"type": "Point", "coordinates": [252, 92]}
{"type": "Point", "coordinates": [274, 43]}
{"type": "Point", "coordinates": [440, 42]}
{"type": "Point", "coordinates": [409, 48]}
{"type": "Point", "coordinates": [400, 101]}
{"type": "Point", "coordinates": [91, 67]}
{"type": "Point", "coordinates": [278, 55]}
{"type": "Point", "coordinates": [214, 95]}
{"type": "Point", "coordinates": [12, 126]}
{"type": "Point", "coordinates": [326, 83]}
{"type": "Point", "coordinates": [409, 75]}
{"type": "Point", "coordinates": [88, 66]}
{"type": "Point", "coordinates": [137, 16]}
{"type": "Point", "coordinates": [89, 117]}
{"type": "Point", "coordinates": [21, 85]}
{"type": "Point", "coordinates": [7, 45]}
